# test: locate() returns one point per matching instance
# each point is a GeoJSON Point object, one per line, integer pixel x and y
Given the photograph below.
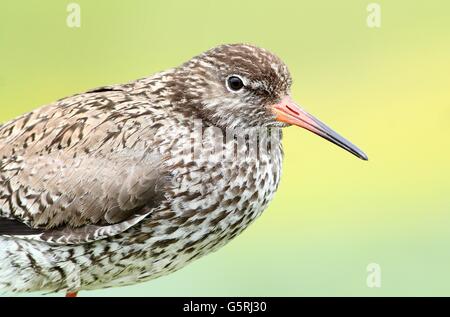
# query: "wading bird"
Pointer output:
{"type": "Point", "coordinates": [97, 189]}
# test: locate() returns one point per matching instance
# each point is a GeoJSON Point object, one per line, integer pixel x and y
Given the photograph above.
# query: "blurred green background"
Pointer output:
{"type": "Point", "coordinates": [386, 89]}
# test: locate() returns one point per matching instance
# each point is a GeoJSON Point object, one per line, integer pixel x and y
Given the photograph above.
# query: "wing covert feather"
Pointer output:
{"type": "Point", "coordinates": [85, 161]}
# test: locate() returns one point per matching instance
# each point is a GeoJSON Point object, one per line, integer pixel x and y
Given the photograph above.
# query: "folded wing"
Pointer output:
{"type": "Point", "coordinates": [81, 169]}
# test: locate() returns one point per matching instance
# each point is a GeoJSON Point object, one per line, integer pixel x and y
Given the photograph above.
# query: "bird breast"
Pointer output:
{"type": "Point", "coordinates": [218, 188]}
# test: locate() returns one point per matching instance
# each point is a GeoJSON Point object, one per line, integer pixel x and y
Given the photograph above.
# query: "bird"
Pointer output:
{"type": "Point", "coordinates": [129, 182]}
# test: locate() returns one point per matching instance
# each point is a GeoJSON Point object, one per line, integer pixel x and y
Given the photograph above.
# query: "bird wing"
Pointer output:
{"type": "Point", "coordinates": [81, 169]}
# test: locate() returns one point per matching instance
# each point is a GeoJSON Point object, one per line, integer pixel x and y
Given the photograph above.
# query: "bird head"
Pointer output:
{"type": "Point", "coordinates": [243, 86]}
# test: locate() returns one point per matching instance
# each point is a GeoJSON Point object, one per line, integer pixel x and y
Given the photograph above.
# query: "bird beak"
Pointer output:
{"type": "Point", "coordinates": [287, 111]}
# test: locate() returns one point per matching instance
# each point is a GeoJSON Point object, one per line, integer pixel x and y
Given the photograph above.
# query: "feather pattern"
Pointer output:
{"type": "Point", "coordinates": [60, 167]}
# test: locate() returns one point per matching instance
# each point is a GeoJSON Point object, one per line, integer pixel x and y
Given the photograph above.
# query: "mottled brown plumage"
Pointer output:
{"type": "Point", "coordinates": [103, 188]}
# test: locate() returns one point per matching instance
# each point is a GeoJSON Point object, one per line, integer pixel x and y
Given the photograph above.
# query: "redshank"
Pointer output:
{"type": "Point", "coordinates": [126, 183]}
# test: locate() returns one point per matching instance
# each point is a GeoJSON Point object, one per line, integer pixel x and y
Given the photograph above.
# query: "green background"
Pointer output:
{"type": "Point", "coordinates": [385, 89]}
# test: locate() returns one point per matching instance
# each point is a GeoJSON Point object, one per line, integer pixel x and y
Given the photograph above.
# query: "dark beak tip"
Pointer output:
{"type": "Point", "coordinates": [363, 156]}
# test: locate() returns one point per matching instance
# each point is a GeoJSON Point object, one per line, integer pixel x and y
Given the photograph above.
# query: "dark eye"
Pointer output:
{"type": "Point", "coordinates": [235, 83]}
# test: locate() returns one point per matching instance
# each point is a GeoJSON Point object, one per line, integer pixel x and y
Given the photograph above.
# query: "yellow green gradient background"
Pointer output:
{"type": "Point", "coordinates": [385, 89]}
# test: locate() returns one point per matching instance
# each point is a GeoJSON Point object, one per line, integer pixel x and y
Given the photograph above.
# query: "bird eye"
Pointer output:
{"type": "Point", "coordinates": [235, 83]}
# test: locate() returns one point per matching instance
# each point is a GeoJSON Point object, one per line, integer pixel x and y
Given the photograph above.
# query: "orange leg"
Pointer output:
{"type": "Point", "coordinates": [71, 294]}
